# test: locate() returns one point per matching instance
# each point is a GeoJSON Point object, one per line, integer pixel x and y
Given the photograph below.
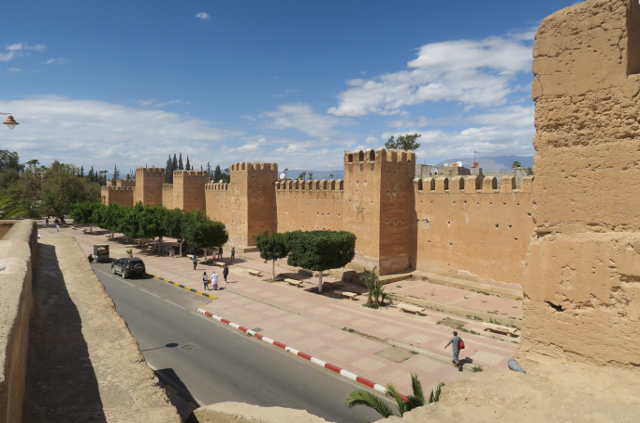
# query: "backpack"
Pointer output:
{"type": "Point", "coordinates": [461, 344]}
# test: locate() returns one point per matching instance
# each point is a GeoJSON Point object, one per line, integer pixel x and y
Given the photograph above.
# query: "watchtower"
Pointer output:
{"type": "Point", "coordinates": [148, 188]}
{"type": "Point", "coordinates": [379, 208]}
{"type": "Point", "coordinates": [188, 189]}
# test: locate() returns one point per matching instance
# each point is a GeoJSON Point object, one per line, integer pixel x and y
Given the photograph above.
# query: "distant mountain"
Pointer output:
{"type": "Point", "coordinates": [493, 163]}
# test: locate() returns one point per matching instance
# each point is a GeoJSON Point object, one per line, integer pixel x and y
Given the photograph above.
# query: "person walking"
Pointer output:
{"type": "Point", "coordinates": [214, 280]}
{"type": "Point", "coordinates": [46, 221]}
{"type": "Point", "coordinates": [225, 272]}
{"type": "Point", "coordinates": [205, 280]}
{"type": "Point", "coordinates": [220, 253]}
{"type": "Point", "coordinates": [57, 225]}
{"type": "Point", "coordinates": [194, 259]}
{"type": "Point", "coordinates": [455, 343]}
{"type": "Point", "coordinates": [233, 254]}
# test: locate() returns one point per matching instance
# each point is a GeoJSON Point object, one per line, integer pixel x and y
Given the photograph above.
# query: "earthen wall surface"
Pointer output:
{"type": "Point", "coordinates": [466, 231]}
{"type": "Point", "coordinates": [261, 199]}
{"type": "Point", "coordinates": [188, 190]}
{"type": "Point", "coordinates": [224, 204]}
{"type": "Point", "coordinates": [167, 196]}
{"type": "Point", "coordinates": [148, 187]}
{"type": "Point", "coordinates": [121, 195]}
{"type": "Point", "coordinates": [581, 284]}
{"type": "Point", "coordinates": [17, 253]}
{"type": "Point", "coordinates": [309, 205]}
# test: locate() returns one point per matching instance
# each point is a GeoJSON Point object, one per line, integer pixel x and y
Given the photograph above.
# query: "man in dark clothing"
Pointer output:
{"type": "Point", "coordinates": [195, 261]}
{"type": "Point", "coordinates": [225, 272]}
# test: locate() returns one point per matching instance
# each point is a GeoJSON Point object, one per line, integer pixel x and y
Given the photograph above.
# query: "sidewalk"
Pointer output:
{"type": "Point", "coordinates": [384, 345]}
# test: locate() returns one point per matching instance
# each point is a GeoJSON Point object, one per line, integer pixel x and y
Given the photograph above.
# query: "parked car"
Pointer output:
{"type": "Point", "coordinates": [127, 267]}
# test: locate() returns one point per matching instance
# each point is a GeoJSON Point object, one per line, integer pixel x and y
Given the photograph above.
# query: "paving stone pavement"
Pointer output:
{"type": "Point", "coordinates": [340, 331]}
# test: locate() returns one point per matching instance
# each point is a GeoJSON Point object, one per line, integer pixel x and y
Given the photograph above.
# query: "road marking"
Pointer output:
{"type": "Point", "coordinates": [172, 303]}
{"type": "Point", "coordinates": [149, 292]}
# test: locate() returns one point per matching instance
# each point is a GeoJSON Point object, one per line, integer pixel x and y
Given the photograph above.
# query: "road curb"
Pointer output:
{"type": "Point", "coordinates": [338, 370]}
{"type": "Point", "coordinates": [179, 285]}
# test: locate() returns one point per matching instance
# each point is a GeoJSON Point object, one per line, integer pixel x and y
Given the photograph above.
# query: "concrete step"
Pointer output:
{"type": "Point", "coordinates": [491, 288]}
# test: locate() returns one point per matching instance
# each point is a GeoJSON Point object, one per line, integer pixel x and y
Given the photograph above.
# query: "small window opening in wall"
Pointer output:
{"type": "Point", "coordinates": [633, 29]}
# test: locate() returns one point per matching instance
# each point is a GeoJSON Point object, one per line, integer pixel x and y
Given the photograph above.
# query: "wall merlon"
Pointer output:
{"type": "Point", "coordinates": [128, 188]}
{"type": "Point", "coordinates": [314, 185]}
{"type": "Point", "coordinates": [378, 156]}
{"type": "Point", "coordinates": [472, 184]}
{"type": "Point", "coordinates": [220, 186]}
{"type": "Point", "coordinates": [259, 166]}
{"type": "Point", "coordinates": [150, 171]}
{"type": "Point", "coordinates": [182, 173]}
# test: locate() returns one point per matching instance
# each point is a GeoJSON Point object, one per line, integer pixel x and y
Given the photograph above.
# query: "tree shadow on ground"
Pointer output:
{"type": "Point", "coordinates": [61, 382]}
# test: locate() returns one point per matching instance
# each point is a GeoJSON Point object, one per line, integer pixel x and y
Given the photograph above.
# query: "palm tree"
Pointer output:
{"type": "Point", "coordinates": [404, 404]}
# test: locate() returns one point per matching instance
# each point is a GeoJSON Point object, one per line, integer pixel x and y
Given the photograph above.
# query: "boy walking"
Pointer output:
{"type": "Point", "coordinates": [455, 349]}
{"type": "Point", "coordinates": [225, 272]}
{"type": "Point", "coordinates": [194, 259]}
{"type": "Point", "coordinates": [205, 281]}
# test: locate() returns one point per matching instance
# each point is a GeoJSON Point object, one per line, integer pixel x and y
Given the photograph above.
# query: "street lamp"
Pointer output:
{"type": "Point", "coordinates": [10, 121]}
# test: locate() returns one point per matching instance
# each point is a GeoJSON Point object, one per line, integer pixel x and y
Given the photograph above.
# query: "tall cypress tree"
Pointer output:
{"type": "Point", "coordinates": [180, 164]}
{"type": "Point", "coordinates": [188, 166]}
{"type": "Point", "coordinates": [168, 171]}
{"type": "Point", "coordinates": [217, 174]}
{"type": "Point", "coordinates": [174, 163]}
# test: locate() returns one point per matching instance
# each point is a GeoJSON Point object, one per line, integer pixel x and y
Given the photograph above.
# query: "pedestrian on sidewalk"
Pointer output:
{"type": "Point", "coordinates": [233, 254]}
{"type": "Point", "coordinates": [205, 281]}
{"type": "Point", "coordinates": [220, 253]}
{"type": "Point", "coordinates": [46, 221]}
{"type": "Point", "coordinates": [214, 280]}
{"type": "Point", "coordinates": [57, 225]}
{"type": "Point", "coordinates": [194, 259]}
{"type": "Point", "coordinates": [455, 349]}
{"type": "Point", "coordinates": [225, 272]}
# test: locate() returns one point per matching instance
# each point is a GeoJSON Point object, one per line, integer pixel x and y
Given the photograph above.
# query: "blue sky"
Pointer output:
{"type": "Point", "coordinates": [296, 82]}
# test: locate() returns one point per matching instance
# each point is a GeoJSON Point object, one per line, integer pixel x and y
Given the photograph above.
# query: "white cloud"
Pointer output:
{"type": "Point", "coordinates": [203, 16]}
{"type": "Point", "coordinates": [98, 133]}
{"type": "Point", "coordinates": [15, 50]}
{"type": "Point", "coordinates": [302, 117]}
{"type": "Point", "coordinates": [470, 72]}
{"type": "Point", "coordinates": [420, 122]}
{"type": "Point", "coordinates": [159, 104]}
{"type": "Point", "coordinates": [56, 61]}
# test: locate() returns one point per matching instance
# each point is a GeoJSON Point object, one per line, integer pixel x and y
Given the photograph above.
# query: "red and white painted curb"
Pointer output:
{"type": "Point", "coordinates": [314, 360]}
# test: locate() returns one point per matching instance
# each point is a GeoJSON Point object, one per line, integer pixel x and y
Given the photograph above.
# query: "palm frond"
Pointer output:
{"type": "Point", "coordinates": [435, 393]}
{"type": "Point", "coordinates": [416, 386]}
{"type": "Point", "coordinates": [359, 397]}
{"type": "Point", "coordinates": [393, 393]}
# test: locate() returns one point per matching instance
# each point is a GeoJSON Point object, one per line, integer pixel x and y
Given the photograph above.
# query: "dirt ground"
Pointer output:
{"type": "Point", "coordinates": [551, 391]}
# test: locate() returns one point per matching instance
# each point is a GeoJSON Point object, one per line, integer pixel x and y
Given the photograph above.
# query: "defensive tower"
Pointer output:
{"type": "Point", "coordinates": [188, 190]}
{"type": "Point", "coordinates": [148, 188]}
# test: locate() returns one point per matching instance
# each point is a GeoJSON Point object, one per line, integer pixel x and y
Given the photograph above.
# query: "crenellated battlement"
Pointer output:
{"type": "Point", "coordinates": [183, 173]}
{"type": "Point", "coordinates": [307, 186]}
{"type": "Point", "coordinates": [377, 156]}
{"type": "Point", "coordinates": [125, 188]}
{"type": "Point", "coordinates": [150, 171]}
{"type": "Point", "coordinates": [244, 166]}
{"type": "Point", "coordinates": [220, 186]}
{"type": "Point", "coordinates": [472, 184]}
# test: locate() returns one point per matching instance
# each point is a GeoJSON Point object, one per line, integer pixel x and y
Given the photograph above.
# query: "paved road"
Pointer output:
{"type": "Point", "coordinates": [217, 364]}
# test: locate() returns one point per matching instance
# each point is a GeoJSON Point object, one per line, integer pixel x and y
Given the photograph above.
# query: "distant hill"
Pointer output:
{"type": "Point", "coordinates": [494, 163]}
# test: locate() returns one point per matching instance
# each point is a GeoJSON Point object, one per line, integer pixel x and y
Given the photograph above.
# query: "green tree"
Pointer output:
{"type": "Point", "coordinates": [360, 397]}
{"type": "Point", "coordinates": [200, 232]}
{"type": "Point", "coordinates": [320, 250]}
{"type": "Point", "coordinates": [408, 142]}
{"type": "Point", "coordinates": [61, 188]}
{"type": "Point", "coordinates": [516, 164]}
{"type": "Point", "coordinates": [217, 174]}
{"type": "Point", "coordinates": [272, 247]}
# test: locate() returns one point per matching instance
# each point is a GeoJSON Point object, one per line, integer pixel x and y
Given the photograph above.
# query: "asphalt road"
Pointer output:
{"type": "Point", "coordinates": [212, 363]}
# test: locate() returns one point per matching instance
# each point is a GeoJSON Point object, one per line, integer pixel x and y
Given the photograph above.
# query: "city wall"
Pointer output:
{"type": "Point", "coordinates": [309, 205]}
{"type": "Point", "coordinates": [479, 226]}
{"type": "Point", "coordinates": [582, 282]}
{"type": "Point", "coordinates": [17, 249]}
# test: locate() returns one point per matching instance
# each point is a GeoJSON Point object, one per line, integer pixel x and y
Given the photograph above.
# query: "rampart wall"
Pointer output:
{"type": "Point", "coordinates": [581, 284]}
{"type": "Point", "coordinates": [222, 202]}
{"type": "Point", "coordinates": [309, 205]}
{"type": "Point", "coordinates": [121, 195]}
{"type": "Point", "coordinates": [167, 196]}
{"type": "Point", "coordinates": [17, 255]}
{"type": "Point", "coordinates": [148, 188]}
{"type": "Point", "coordinates": [475, 225]}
